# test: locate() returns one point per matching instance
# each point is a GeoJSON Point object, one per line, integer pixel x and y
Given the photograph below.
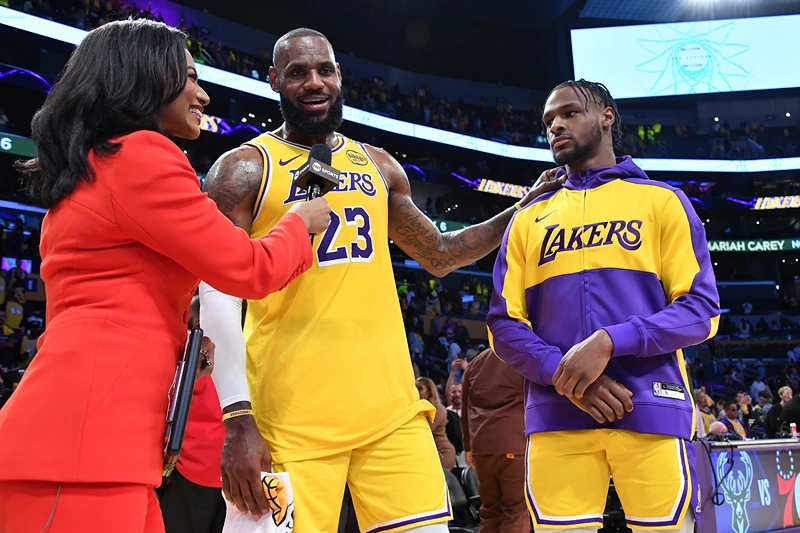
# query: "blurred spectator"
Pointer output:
{"type": "Point", "coordinates": [761, 370]}
{"type": "Point", "coordinates": [415, 344]}
{"type": "Point", "coordinates": [3, 119]}
{"type": "Point", "coordinates": [473, 351]}
{"type": "Point", "coordinates": [773, 417]}
{"type": "Point", "coordinates": [432, 304]}
{"type": "Point", "coordinates": [452, 391]}
{"type": "Point", "coordinates": [8, 384]}
{"type": "Point", "coordinates": [764, 402]}
{"type": "Point", "coordinates": [447, 452]}
{"type": "Point", "coordinates": [793, 355]}
{"type": "Point", "coordinates": [27, 348]}
{"type": "Point", "coordinates": [453, 432]}
{"type": "Point", "coordinates": [461, 334]}
{"type": "Point", "coordinates": [493, 426]}
{"type": "Point", "coordinates": [745, 403]}
{"type": "Point", "coordinates": [15, 310]}
{"type": "Point", "coordinates": [8, 341]}
{"type": "Point", "coordinates": [757, 387]}
{"type": "Point", "coordinates": [732, 421]}
{"type": "Point", "coordinates": [436, 324]}
{"type": "Point", "coordinates": [15, 239]}
{"type": "Point", "coordinates": [717, 428]}
{"type": "Point", "coordinates": [705, 418]}
{"type": "Point", "coordinates": [453, 349]}
{"type": "Point", "coordinates": [15, 279]}
{"type": "Point", "coordinates": [790, 414]}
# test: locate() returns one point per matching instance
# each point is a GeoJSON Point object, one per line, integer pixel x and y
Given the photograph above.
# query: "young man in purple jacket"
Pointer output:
{"type": "Point", "coordinates": [597, 288]}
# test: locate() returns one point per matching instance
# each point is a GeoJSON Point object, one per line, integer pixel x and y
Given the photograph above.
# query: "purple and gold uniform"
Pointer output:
{"type": "Point", "coordinates": [340, 321]}
{"type": "Point", "coordinates": [611, 250]}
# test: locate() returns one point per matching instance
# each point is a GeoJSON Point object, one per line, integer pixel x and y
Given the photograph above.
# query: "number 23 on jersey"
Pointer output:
{"type": "Point", "coordinates": [360, 250]}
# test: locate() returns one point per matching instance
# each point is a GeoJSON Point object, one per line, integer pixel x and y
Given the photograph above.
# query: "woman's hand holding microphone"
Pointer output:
{"type": "Point", "coordinates": [315, 213]}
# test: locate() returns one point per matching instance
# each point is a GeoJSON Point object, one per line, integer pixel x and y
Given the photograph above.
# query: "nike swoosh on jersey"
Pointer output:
{"type": "Point", "coordinates": [284, 163]}
{"type": "Point", "coordinates": [539, 219]}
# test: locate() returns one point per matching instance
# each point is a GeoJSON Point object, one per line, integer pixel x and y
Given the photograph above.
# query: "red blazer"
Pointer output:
{"type": "Point", "coordinates": [122, 257]}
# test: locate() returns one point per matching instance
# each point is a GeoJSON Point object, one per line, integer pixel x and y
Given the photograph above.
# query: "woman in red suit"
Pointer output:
{"type": "Point", "coordinates": [126, 240]}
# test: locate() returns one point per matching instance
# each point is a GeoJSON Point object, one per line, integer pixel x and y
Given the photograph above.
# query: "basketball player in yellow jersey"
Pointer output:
{"type": "Point", "coordinates": [336, 325]}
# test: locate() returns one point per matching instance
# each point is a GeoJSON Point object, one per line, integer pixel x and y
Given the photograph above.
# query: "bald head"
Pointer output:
{"type": "Point", "coordinates": [309, 80]}
{"type": "Point", "coordinates": [283, 43]}
{"type": "Point", "coordinates": [717, 428]}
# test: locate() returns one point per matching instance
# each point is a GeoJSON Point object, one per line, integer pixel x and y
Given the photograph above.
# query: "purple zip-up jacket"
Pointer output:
{"type": "Point", "coordinates": [611, 250]}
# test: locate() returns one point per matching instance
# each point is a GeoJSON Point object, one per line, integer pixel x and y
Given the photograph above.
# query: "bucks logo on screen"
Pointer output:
{"type": "Point", "coordinates": [735, 480]}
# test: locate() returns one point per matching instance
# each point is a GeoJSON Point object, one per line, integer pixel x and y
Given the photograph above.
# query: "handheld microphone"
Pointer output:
{"type": "Point", "coordinates": [317, 176]}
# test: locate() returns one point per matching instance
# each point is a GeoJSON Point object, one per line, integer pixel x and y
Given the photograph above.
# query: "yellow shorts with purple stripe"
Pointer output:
{"type": "Point", "coordinates": [568, 474]}
{"type": "Point", "coordinates": [396, 482]}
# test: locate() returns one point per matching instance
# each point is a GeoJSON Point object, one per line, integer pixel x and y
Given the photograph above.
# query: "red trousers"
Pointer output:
{"type": "Point", "coordinates": [27, 506]}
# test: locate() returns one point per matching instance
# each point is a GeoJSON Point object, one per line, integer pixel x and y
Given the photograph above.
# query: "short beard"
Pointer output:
{"type": "Point", "coordinates": [579, 151]}
{"type": "Point", "coordinates": [312, 126]}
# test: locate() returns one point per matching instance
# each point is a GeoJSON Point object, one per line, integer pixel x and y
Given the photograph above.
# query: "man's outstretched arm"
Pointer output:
{"type": "Point", "coordinates": [441, 253]}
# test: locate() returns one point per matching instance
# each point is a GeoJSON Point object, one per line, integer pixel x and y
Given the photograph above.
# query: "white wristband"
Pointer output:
{"type": "Point", "coordinates": [221, 321]}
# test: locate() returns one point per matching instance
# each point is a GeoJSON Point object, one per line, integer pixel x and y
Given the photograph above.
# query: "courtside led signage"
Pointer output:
{"type": "Point", "coordinates": [502, 188]}
{"type": "Point", "coordinates": [14, 144]}
{"type": "Point", "coordinates": [449, 225]}
{"type": "Point", "coordinates": [777, 202]}
{"type": "Point", "coordinates": [774, 245]}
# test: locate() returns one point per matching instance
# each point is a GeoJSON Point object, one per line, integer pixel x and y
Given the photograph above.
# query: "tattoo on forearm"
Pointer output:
{"type": "Point", "coordinates": [476, 241]}
{"type": "Point", "coordinates": [412, 227]}
{"type": "Point", "coordinates": [445, 251]}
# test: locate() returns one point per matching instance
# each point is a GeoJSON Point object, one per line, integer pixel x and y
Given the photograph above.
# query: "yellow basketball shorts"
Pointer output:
{"type": "Point", "coordinates": [567, 478]}
{"type": "Point", "coordinates": [396, 482]}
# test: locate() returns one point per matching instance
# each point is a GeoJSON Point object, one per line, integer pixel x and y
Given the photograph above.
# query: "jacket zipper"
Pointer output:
{"type": "Point", "coordinates": [584, 266]}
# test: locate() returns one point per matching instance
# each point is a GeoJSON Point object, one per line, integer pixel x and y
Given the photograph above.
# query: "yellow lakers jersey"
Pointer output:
{"type": "Point", "coordinates": [14, 311]}
{"type": "Point", "coordinates": [28, 346]}
{"type": "Point", "coordinates": [327, 359]}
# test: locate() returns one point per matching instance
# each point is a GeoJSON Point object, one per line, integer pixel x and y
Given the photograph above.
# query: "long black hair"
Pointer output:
{"type": "Point", "coordinates": [114, 84]}
{"type": "Point", "coordinates": [600, 96]}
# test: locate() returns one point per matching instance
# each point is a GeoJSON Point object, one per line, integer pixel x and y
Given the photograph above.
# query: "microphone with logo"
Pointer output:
{"type": "Point", "coordinates": [317, 176]}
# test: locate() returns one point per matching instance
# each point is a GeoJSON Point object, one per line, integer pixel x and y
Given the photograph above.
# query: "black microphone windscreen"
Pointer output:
{"type": "Point", "coordinates": [322, 153]}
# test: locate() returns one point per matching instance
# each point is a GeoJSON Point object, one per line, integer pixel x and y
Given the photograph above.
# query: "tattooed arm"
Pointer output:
{"type": "Point", "coordinates": [233, 183]}
{"type": "Point", "coordinates": [441, 253]}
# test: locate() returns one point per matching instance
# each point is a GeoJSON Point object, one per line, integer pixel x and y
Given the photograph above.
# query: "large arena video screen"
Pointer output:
{"type": "Point", "coordinates": [641, 61]}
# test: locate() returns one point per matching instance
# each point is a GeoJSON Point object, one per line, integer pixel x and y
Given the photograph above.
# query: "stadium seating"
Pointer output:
{"type": "Point", "coordinates": [465, 517]}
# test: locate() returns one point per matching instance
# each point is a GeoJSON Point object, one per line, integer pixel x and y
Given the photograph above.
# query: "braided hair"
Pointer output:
{"type": "Point", "coordinates": [601, 96]}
